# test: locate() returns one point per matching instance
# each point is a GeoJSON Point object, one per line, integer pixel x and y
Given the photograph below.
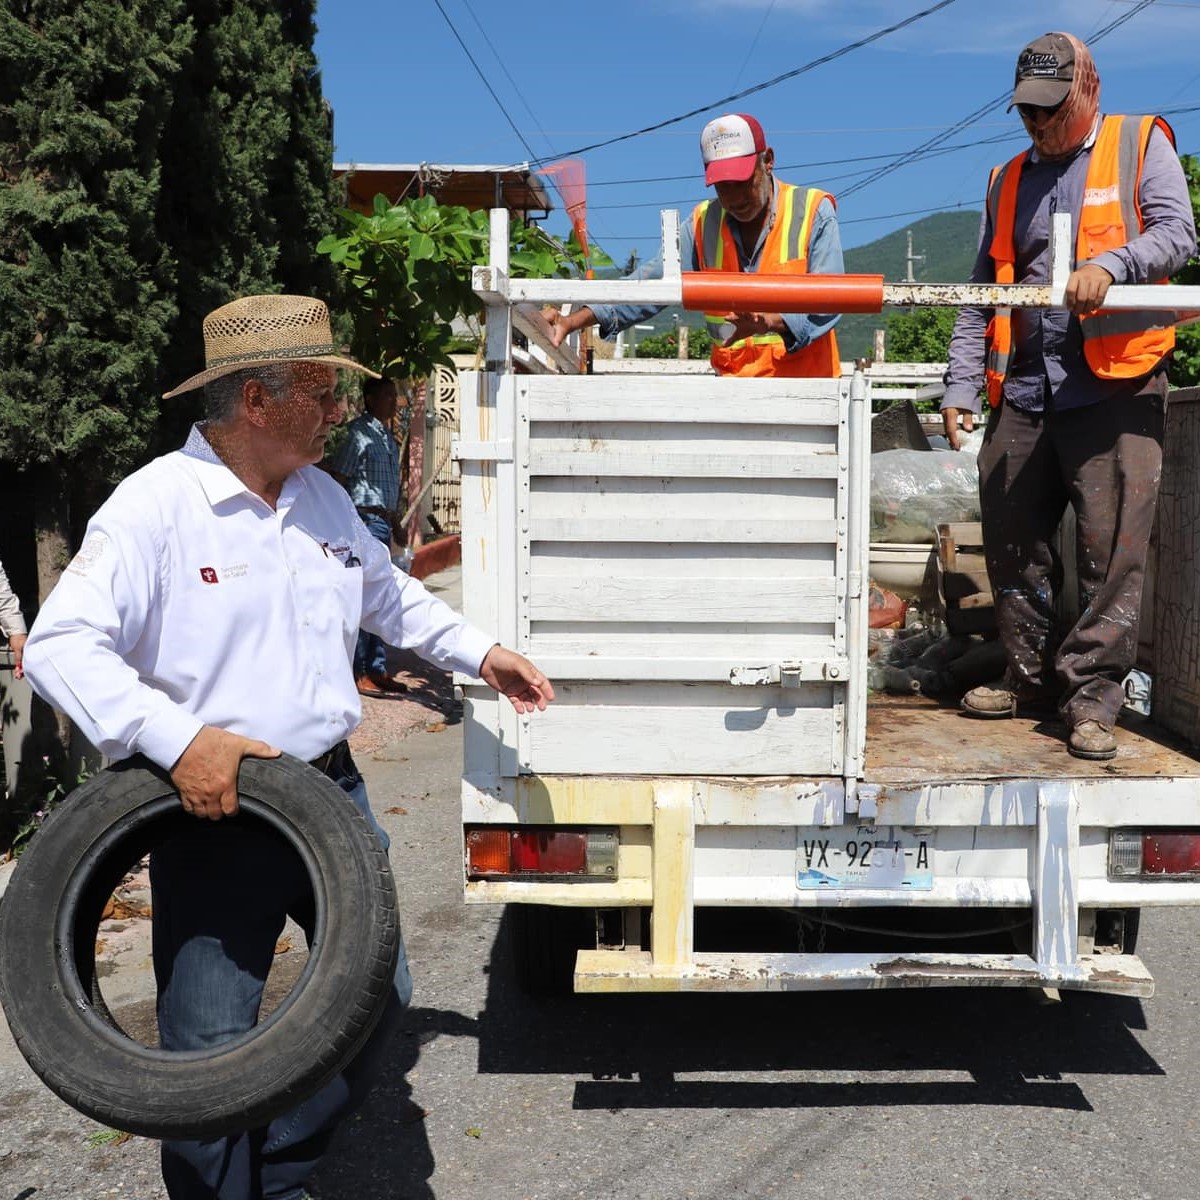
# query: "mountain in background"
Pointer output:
{"type": "Point", "coordinates": [946, 243]}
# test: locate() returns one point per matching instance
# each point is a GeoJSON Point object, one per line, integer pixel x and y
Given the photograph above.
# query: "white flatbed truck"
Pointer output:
{"type": "Point", "coordinates": [715, 800]}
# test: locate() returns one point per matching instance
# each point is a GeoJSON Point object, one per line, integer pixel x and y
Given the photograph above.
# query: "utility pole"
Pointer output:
{"type": "Point", "coordinates": [911, 258]}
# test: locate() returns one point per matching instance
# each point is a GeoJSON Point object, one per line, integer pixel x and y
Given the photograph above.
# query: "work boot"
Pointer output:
{"type": "Point", "coordinates": [1092, 739]}
{"type": "Point", "coordinates": [995, 701]}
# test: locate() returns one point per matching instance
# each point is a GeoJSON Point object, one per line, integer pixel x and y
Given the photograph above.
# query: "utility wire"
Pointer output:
{"type": "Point", "coordinates": [754, 43]}
{"type": "Point", "coordinates": [508, 76]}
{"type": "Point", "coordinates": [491, 90]}
{"type": "Point", "coordinates": [758, 87]}
{"type": "Point", "coordinates": [921, 150]}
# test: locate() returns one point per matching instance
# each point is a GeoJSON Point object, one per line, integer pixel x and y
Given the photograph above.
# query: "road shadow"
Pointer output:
{"type": "Point", "coordinates": [1004, 1047]}
{"type": "Point", "coordinates": [383, 1151]}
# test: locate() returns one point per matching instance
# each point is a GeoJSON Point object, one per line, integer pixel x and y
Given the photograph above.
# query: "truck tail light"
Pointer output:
{"type": "Point", "coordinates": [529, 851]}
{"type": "Point", "coordinates": [1154, 854]}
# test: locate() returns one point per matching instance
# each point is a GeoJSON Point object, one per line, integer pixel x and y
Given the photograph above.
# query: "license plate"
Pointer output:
{"type": "Point", "coordinates": [864, 856]}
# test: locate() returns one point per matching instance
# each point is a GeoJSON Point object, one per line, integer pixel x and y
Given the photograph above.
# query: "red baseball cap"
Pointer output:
{"type": "Point", "coordinates": [730, 146]}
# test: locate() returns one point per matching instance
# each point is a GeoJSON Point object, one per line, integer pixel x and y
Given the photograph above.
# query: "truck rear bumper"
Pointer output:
{"type": "Point", "coordinates": [636, 971]}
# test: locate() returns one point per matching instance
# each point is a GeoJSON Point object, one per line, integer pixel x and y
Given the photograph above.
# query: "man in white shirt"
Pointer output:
{"type": "Point", "coordinates": [211, 614]}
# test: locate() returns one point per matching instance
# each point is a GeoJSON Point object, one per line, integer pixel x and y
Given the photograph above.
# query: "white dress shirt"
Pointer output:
{"type": "Point", "coordinates": [192, 602]}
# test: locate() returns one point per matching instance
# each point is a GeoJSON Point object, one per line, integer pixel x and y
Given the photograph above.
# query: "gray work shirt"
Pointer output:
{"type": "Point", "coordinates": [1047, 359]}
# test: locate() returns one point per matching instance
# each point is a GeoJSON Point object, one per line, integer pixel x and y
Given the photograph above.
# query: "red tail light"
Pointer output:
{"type": "Point", "coordinates": [496, 852]}
{"type": "Point", "coordinates": [1170, 853]}
{"type": "Point", "coordinates": [1154, 853]}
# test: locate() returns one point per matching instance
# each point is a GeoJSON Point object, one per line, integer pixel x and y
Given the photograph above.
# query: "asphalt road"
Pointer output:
{"type": "Point", "coordinates": [935, 1095]}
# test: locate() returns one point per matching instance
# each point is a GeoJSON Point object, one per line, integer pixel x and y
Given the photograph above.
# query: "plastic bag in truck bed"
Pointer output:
{"type": "Point", "coordinates": [913, 491]}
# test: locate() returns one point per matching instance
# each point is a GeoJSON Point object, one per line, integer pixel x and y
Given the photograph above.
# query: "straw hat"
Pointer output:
{"type": "Point", "coordinates": [257, 330]}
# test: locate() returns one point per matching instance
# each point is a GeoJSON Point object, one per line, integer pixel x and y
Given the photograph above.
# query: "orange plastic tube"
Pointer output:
{"type": "Point", "coordinates": [733, 291]}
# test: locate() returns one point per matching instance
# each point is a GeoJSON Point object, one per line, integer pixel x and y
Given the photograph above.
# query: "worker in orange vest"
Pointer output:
{"type": "Point", "coordinates": [1077, 396]}
{"type": "Point", "coordinates": [756, 223]}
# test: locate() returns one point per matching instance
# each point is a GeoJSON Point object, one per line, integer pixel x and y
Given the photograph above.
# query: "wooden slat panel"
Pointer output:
{"type": "Point", "coordinates": [617, 459]}
{"type": "Point", "coordinates": [621, 500]}
{"type": "Point", "coordinates": [739, 645]}
{"type": "Point", "coordinates": [604, 529]}
{"type": "Point", "coordinates": [678, 670]}
{"type": "Point", "coordinates": [638, 598]}
{"type": "Point", "coordinates": [600, 728]}
{"type": "Point", "coordinates": [689, 400]}
{"type": "Point", "coordinates": [667, 560]}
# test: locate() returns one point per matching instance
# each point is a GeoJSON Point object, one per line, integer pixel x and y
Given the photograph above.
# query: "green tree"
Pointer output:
{"type": "Point", "coordinates": [666, 345]}
{"type": "Point", "coordinates": [407, 274]}
{"type": "Point", "coordinates": [1185, 369]}
{"type": "Point", "coordinates": [157, 157]}
{"type": "Point", "coordinates": [920, 334]}
{"type": "Point", "coordinates": [248, 188]}
{"type": "Point", "coordinates": [86, 283]}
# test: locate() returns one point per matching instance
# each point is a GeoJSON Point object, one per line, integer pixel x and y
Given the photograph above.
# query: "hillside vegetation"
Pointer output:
{"type": "Point", "coordinates": [947, 242]}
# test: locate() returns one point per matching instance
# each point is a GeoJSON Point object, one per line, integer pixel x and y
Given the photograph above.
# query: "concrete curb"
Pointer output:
{"type": "Point", "coordinates": [6, 870]}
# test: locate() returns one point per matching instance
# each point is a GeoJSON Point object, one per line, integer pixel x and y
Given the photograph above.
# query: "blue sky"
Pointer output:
{"type": "Point", "coordinates": [571, 75]}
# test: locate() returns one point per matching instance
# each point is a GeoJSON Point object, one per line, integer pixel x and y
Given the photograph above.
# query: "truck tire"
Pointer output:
{"type": "Point", "coordinates": [51, 912]}
{"type": "Point", "coordinates": [544, 940]}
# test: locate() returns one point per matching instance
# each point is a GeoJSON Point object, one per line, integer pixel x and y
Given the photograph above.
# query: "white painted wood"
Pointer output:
{"type": "Point", "coordinates": [638, 598]}
{"type": "Point", "coordinates": [578, 457]}
{"type": "Point", "coordinates": [607, 728]}
{"type": "Point", "coordinates": [730, 645]}
{"type": "Point", "coordinates": [807, 506]}
{"type": "Point", "coordinates": [686, 400]}
{"type": "Point", "coordinates": [682, 670]}
{"type": "Point", "coordinates": [681, 530]}
{"type": "Point", "coordinates": [651, 366]}
{"type": "Point", "coordinates": [672, 265]}
{"type": "Point", "coordinates": [852, 632]}
{"type": "Point", "coordinates": [685, 563]}
{"type": "Point", "coordinates": [481, 581]}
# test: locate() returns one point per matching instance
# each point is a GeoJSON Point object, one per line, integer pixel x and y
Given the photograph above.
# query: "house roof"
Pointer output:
{"type": "Point", "coordinates": [515, 187]}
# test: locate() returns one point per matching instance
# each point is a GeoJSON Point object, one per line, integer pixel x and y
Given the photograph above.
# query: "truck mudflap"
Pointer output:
{"type": "Point", "coordinates": [636, 971]}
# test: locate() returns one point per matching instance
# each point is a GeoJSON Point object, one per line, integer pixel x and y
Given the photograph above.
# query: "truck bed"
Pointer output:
{"type": "Point", "coordinates": [916, 739]}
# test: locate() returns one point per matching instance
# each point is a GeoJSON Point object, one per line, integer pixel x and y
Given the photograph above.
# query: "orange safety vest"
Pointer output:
{"type": "Point", "coordinates": [1123, 344]}
{"type": "Point", "coordinates": [784, 253]}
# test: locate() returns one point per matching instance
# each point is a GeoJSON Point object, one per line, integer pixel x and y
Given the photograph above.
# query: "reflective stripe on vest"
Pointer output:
{"type": "Point", "coordinates": [1128, 343]}
{"type": "Point", "coordinates": [1002, 208]}
{"type": "Point", "coordinates": [1118, 345]}
{"type": "Point", "coordinates": [785, 252]}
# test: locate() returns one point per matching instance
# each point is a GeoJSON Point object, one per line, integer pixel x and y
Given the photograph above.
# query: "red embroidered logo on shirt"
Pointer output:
{"type": "Point", "coordinates": [209, 574]}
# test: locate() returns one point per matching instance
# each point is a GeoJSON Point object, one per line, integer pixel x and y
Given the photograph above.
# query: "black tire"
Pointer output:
{"type": "Point", "coordinates": [51, 912]}
{"type": "Point", "coordinates": [544, 941]}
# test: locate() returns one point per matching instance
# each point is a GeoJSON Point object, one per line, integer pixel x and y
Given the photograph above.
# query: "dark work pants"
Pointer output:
{"type": "Point", "coordinates": [1105, 460]}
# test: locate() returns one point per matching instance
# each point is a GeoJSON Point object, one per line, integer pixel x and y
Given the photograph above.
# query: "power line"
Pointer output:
{"type": "Point", "coordinates": [758, 87]}
{"type": "Point", "coordinates": [754, 43]}
{"type": "Point", "coordinates": [919, 152]}
{"type": "Point", "coordinates": [491, 90]}
{"type": "Point", "coordinates": [513, 83]}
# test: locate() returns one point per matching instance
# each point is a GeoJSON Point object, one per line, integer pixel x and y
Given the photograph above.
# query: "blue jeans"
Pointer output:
{"type": "Point", "coordinates": [220, 897]}
{"type": "Point", "coordinates": [370, 652]}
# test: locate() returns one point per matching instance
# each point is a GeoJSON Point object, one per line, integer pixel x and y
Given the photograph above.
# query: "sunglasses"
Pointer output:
{"type": "Point", "coordinates": [1029, 111]}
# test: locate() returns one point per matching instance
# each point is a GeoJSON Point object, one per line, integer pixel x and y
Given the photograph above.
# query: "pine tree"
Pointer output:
{"type": "Point", "coordinates": [157, 158]}
{"type": "Point", "coordinates": [247, 159]}
{"type": "Point", "coordinates": [86, 284]}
